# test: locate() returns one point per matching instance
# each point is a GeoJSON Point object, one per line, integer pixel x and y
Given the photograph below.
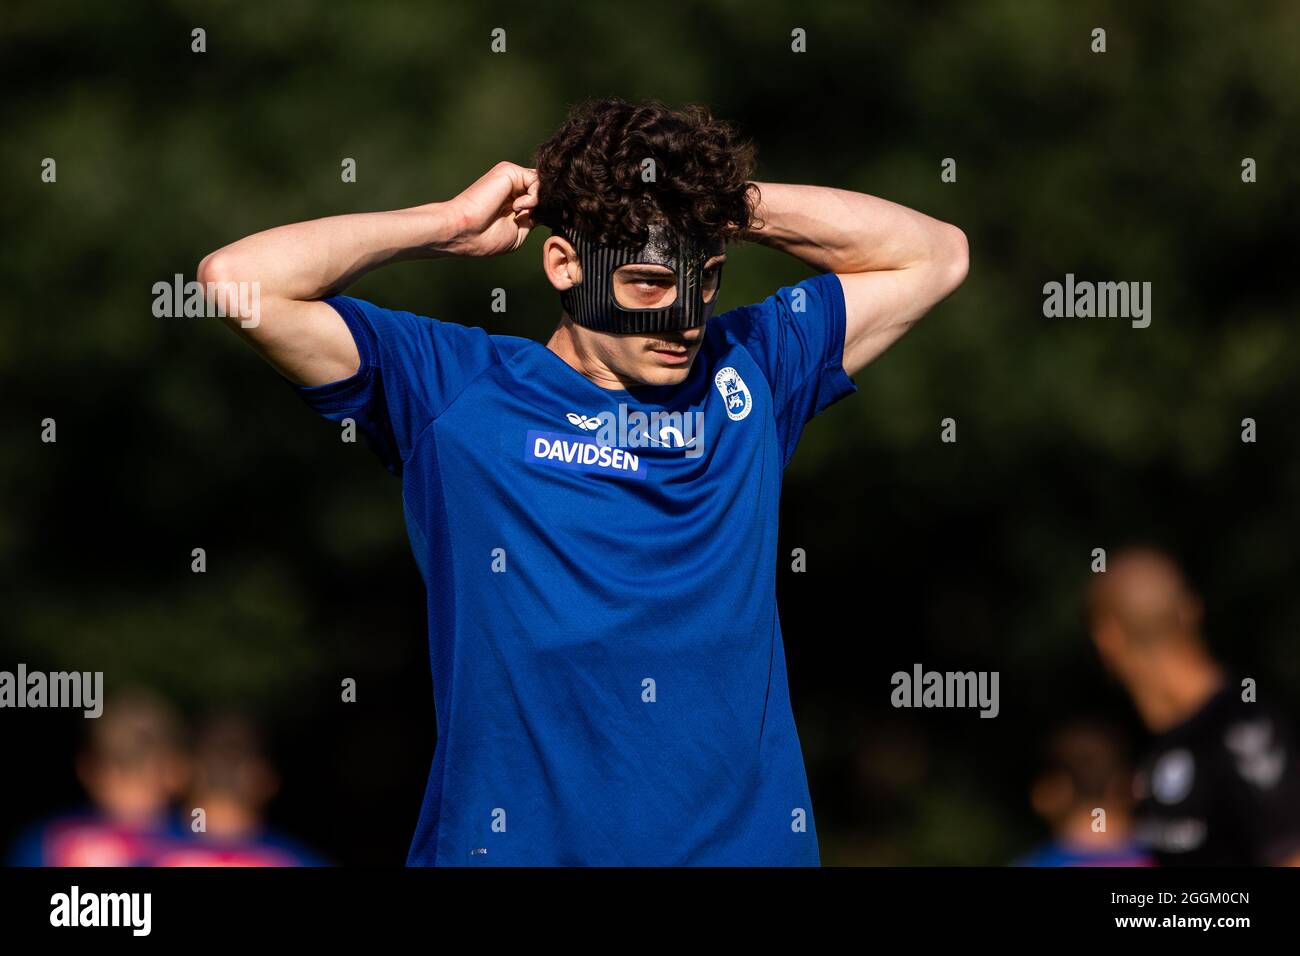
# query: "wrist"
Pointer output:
{"type": "Point", "coordinates": [440, 229]}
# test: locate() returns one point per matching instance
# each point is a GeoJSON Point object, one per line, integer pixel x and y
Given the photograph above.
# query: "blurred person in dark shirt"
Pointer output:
{"type": "Point", "coordinates": [1220, 782]}
{"type": "Point", "coordinates": [132, 766]}
{"type": "Point", "coordinates": [1086, 769]}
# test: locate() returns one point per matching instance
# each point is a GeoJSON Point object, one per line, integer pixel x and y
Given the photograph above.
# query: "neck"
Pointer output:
{"type": "Point", "coordinates": [229, 819]}
{"type": "Point", "coordinates": [1076, 830]}
{"type": "Point", "coordinates": [1175, 687]}
{"type": "Point", "coordinates": [566, 343]}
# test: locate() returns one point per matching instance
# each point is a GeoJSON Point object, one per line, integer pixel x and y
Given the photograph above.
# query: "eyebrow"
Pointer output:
{"type": "Point", "coordinates": [650, 270]}
{"type": "Point", "coordinates": [646, 270]}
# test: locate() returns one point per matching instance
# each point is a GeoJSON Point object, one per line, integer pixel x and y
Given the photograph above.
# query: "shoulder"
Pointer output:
{"type": "Point", "coordinates": [382, 332]}
{"type": "Point", "coordinates": [508, 347]}
{"type": "Point", "coordinates": [820, 294]}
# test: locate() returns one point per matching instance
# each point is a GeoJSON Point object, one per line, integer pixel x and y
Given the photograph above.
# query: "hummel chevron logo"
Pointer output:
{"type": "Point", "coordinates": [582, 421]}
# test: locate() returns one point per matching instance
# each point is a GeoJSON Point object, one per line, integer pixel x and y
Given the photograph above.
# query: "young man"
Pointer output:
{"type": "Point", "coordinates": [595, 518]}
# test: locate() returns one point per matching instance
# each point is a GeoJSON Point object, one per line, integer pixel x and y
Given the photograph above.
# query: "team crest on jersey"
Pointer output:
{"type": "Point", "coordinates": [735, 395]}
{"type": "Point", "coordinates": [1173, 775]}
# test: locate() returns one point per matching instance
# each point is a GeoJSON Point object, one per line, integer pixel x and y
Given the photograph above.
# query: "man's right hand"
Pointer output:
{"type": "Point", "coordinates": [494, 215]}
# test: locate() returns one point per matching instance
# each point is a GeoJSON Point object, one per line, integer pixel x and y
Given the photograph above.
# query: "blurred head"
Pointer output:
{"type": "Point", "coordinates": [1142, 613]}
{"type": "Point", "coordinates": [231, 771]}
{"type": "Point", "coordinates": [133, 764]}
{"type": "Point", "coordinates": [641, 200]}
{"type": "Point", "coordinates": [1085, 766]}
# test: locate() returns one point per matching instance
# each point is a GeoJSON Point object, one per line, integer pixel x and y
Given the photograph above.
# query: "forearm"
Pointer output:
{"type": "Point", "coordinates": [311, 260]}
{"type": "Point", "coordinates": [835, 230]}
{"type": "Point", "coordinates": [291, 268]}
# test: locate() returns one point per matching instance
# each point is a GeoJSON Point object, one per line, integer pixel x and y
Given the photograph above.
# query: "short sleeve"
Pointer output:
{"type": "Point", "coordinates": [796, 337]}
{"type": "Point", "coordinates": [412, 369]}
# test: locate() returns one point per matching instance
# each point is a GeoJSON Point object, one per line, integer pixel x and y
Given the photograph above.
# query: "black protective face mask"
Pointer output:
{"type": "Point", "coordinates": [592, 303]}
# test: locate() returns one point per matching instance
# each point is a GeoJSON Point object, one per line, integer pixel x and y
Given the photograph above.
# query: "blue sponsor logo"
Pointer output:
{"type": "Point", "coordinates": [580, 454]}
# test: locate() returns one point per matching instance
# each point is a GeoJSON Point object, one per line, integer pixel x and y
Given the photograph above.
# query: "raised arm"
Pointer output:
{"type": "Point", "coordinates": [296, 266]}
{"type": "Point", "coordinates": [893, 262]}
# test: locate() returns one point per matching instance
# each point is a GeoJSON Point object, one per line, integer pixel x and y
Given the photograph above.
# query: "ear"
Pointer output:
{"type": "Point", "coordinates": [560, 263]}
{"type": "Point", "coordinates": [1051, 796]}
{"type": "Point", "coordinates": [1106, 634]}
{"type": "Point", "coordinates": [86, 768]}
{"type": "Point", "coordinates": [260, 781]}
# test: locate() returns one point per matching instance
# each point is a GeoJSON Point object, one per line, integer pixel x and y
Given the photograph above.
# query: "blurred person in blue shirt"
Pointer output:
{"type": "Point", "coordinates": [1086, 770]}
{"type": "Point", "coordinates": [232, 783]}
{"type": "Point", "coordinates": [132, 766]}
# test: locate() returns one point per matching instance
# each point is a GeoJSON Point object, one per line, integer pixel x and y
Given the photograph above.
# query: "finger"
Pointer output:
{"type": "Point", "coordinates": [521, 178]}
{"type": "Point", "coordinates": [529, 198]}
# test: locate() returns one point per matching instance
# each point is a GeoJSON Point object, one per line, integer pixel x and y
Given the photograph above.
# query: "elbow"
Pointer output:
{"type": "Point", "coordinates": [214, 268]}
{"type": "Point", "coordinates": [955, 263]}
{"type": "Point", "coordinates": [227, 292]}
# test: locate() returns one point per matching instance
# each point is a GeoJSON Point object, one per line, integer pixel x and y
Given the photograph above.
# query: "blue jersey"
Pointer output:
{"type": "Point", "coordinates": [608, 673]}
{"type": "Point", "coordinates": [264, 846]}
{"type": "Point", "coordinates": [89, 837]}
{"type": "Point", "coordinates": [1056, 853]}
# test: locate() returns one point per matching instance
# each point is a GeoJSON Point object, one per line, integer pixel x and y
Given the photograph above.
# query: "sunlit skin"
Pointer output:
{"type": "Point", "coordinates": [134, 793]}
{"type": "Point", "coordinates": [626, 361]}
{"type": "Point", "coordinates": [1145, 622]}
{"type": "Point", "coordinates": [235, 810]}
{"type": "Point", "coordinates": [893, 264]}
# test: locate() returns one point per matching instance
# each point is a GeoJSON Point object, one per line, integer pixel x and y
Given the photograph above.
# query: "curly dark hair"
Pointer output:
{"type": "Point", "coordinates": [590, 173]}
